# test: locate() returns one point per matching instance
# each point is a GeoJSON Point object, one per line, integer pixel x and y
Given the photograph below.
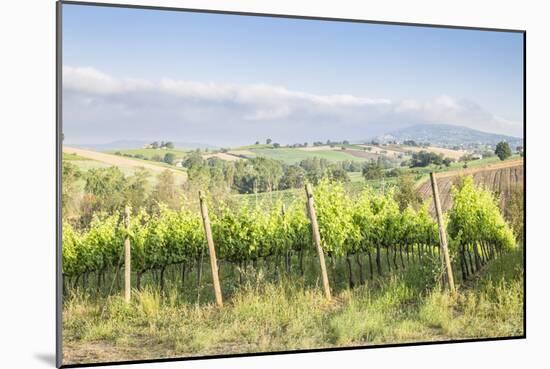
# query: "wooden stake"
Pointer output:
{"type": "Point", "coordinates": [127, 258]}
{"type": "Point", "coordinates": [211, 250]}
{"type": "Point", "coordinates": [317, 239]}
{"type": "Point", "coordinates": [446, 260]}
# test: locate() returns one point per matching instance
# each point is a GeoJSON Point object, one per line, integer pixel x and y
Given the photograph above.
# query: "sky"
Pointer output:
{"type": "Point", "coordinates": [227, 80]}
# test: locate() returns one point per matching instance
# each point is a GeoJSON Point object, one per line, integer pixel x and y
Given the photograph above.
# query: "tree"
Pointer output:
{"type": "Point", "coordinates": [268, 141]}
{"type": "Point", "coordinates": [155, 145]}
{"type": "Point", "coordinates": [166, 191]}
{"type": "Point", "coordinates": [503, 150]}
{"type": "Point", "coordinates": [169, 145]}
{"type": "Point", "coordinates": [372, 170]}
{"type": "Point", "coordinates": [424, 158]}
{"type": "Point", "coordinates": [70, 176]}
{"type": "Point", "coordinates": [393, 173]}
{"type": "Point", "coordinates": [339, 175]}
{"type": "Point", "coordinates": [315, 168]}
{"type": "Point", "coordinates": [198, 178]}
{"type": "Point", "coordinates": [193, 159]}
{"type": "Point", "coordinates": [268, 173]}
{"type": "Point", "coordinates": [465, 159]}
{"type": "Point", "coordinates": [169, 158]}
{"type": "Point", "coordinates": [276, 145]}
{"type": "Point", "coordinates": [106, 185]}
{"type": "Point", "coordinates": [136, 188]}
{"type": "Point", "coordinates": [294, 177]}
{"type": "Point", "coordinates": [257, 143]}
{"type": "Point", "coordinates": [406, 193]}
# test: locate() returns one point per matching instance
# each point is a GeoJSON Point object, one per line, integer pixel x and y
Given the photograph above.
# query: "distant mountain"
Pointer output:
{"type": "Point", "coordinates": [448, 135]}
{"type": "Point", "coordinates": [136, 144]}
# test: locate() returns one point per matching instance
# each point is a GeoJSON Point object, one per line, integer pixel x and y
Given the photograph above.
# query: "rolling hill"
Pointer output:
{"type": "Point", "coordinates": [87, 159]}
{"type": "Point", "coordinates": [448, 135]}
{"type": "Point", "coordinates": [133, 144]}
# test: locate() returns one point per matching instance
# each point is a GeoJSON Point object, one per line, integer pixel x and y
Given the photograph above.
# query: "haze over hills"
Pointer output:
{"type": "Point", "coordinates": [134, 144]}
{"type": "Point", "coordinates": [444, 135]}
{"type": "Point", "coordinates": [448, 135]}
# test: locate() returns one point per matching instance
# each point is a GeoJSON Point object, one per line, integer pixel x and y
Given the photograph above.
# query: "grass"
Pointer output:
{"type": "Point", "coordinates": [460, 165]}
{"type": "Point", "coordinates": [161, 164]}
{"type": "Point", "coordinates": [270, 198]}
{"type": "Point", "coordinates": [149, 153]}
{"type": "Point", "coordinates": [71, 156]}
{"type": "Point", "coordinates": [292, 156]}
{"type": "Point", "coordinates": [421, 173]}
{"type": "Point", "coordinates": [356, 177]}
{"type": "Point", "coordinates": [85, 164]}
{"type": "Point", "coordinates": [289, 314]}
{"type": "Point", "coordinates": [258, 146]}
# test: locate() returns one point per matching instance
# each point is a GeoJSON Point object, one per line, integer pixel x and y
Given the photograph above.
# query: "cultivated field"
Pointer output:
{"type": "Point", "coordinates": [88, 159]}
{"type": "Point", "coordinates": [501, 178]}
{"type": "Point", "coordinates": [291, 156]}
{"type": "Point", "coordinates": [118, 161]}
{"type": "Point", "coordinates": [150, 153]}
{"type": "Point", "coordinates": [448, 153]}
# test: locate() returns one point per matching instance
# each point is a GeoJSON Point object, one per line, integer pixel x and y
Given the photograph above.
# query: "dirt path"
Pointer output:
{"type": "Point", "coordinates": [118, 161]}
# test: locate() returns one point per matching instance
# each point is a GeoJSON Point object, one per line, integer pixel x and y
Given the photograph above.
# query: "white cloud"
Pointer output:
{"type": "Point", "coordinates": [99, 106]}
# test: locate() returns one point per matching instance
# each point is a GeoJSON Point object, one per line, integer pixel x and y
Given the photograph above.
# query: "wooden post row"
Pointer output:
{"type": "Point", "coordinates": [317, 240]}
{"type": "Point", "coordinates": [211, 249]}
{"type": "Point", "coordinates": [127, 258]}
{"type": "Point", "coordinates": [445, 259]}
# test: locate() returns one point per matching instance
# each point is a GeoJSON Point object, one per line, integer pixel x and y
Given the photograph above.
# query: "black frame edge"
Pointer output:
{"type": "Point", "coordinates": [291, 352]}
{"type": "Point", "coordinates": [525, 184]}
{"type": "Point", "coordinates": [58, 183]}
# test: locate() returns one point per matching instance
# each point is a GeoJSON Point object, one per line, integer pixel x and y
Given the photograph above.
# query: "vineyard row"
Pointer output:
{"type": "Point", "coordinates": [368, 225]}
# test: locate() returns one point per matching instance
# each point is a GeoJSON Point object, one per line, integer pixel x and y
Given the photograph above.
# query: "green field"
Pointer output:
{"type": "Point", "coordinates": [75, 157]}
{"type": "Point", "coordinates": [250, 147]}
{"type": "Point", "coordinates": [85, 164]}
{"type": "Point", "coordinates": [149, 153]}
{"type": "Point", "coordinates": [356, 176]}
{"type": "Point", "coordinates": [293, 156]}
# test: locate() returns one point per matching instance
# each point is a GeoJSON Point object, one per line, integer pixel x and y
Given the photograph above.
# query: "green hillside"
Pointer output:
{"type": "Point", "coordinates": [150, 153]}
{"type": "Point", "coordinates": [292, 156]}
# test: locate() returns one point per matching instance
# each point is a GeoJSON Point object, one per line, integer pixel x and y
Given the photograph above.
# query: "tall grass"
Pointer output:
{"type": "Point", "coordinates": [289, 314]}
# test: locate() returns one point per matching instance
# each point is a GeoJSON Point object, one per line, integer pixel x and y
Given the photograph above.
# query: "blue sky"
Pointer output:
{"type": "Point", "coordinates": [262, 76]}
